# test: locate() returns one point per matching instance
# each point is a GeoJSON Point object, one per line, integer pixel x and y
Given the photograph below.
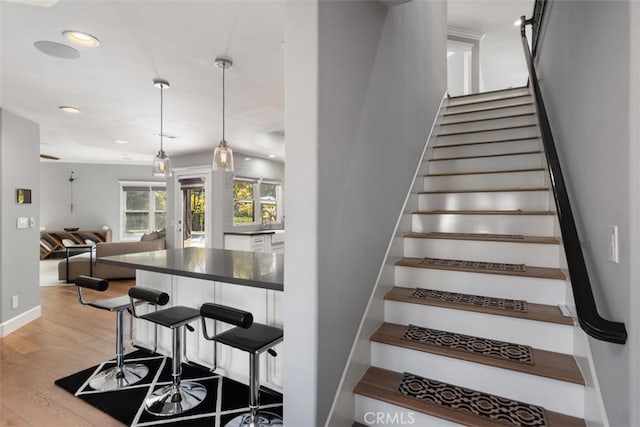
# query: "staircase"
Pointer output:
{"type": "Point", "coordinates": [474, 329]}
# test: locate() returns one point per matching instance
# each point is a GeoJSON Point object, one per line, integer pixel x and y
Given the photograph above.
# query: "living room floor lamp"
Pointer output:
{"type": "Point", "coordinates": [223, 155]}
{"type": "Point", "coordinates": [161, 163]}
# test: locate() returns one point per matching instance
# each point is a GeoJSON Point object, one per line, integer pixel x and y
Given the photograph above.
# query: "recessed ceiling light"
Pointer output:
{"type": "Point", "coordinates": [120, 141]}
{"type": "Point", "coordinates": [517, 23]}
{"type": "Point", "coordinates": [273, 156]}
{"type": "Point", "coordinates": [247, 158]}
{"type": "Point", "coordinates": [58, 50]}
{"type": "Point", "coordinates": [81, 39]}
{"type": "Point", "coordinates": [69, 109]}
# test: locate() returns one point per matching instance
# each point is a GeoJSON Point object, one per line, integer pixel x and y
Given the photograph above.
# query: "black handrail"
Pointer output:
{"type": "Point", "coordinates": [588, 317]}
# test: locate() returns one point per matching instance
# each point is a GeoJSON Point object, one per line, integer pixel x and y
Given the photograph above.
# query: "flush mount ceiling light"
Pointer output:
{"type": "Point", "coordinates": [80, 38]}
{"type": "Point", "coordinates": [120, 141]}
{"type": "Point", "coordinates": [69, 109]}
{"type": "Point", "coordinates": [223, 155]}
{"type": "Point", "coordinates": [161, 163]}
{"type": "Point", "coordinates": [58, 50]}
{"type": "Point", "coordinates": [272, 156]}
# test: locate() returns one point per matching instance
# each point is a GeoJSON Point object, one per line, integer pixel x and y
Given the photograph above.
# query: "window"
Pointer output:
{"type": "Point", "coordinates": [256, 202]}
{"type": "Point", "coordinates": [143, 208]}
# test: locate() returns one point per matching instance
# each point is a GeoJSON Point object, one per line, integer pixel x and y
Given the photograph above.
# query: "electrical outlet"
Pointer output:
{"type": "Point", "coordinates": [613, 244]}
{"type": "Point", "coordinates": [14, 302]}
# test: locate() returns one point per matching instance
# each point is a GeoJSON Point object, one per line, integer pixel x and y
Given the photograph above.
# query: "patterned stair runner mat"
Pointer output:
{"type": "Point", "coordinates": [475, 300]}
{"type": "Point", "coordinates": [470, 344]}
{"type": "Point", "coordinates": [479, 235]}
{"type": "Point", "coordinates": [473, 264]}
{"type": "Point", "coordinates": [494, 408]}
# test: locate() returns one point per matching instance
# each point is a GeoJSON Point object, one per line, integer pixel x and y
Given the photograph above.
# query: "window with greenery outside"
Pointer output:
{"type": "Point", "coordinates": [243, 202]}
{"type": "Point", "coordinates": [268, 203]}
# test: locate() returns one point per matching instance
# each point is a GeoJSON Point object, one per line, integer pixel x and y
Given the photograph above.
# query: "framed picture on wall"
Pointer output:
{"type": "Point", "coordinates": [23, 196]}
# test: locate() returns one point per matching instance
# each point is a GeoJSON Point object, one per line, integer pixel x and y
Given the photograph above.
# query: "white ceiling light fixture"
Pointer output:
{"type": "Point", "coordinates": [120, 141]}
{"type": "Point", "coordinates": [80, 38]}
{"type": "Point", "coordinates": [161, 163]}
{"type": "Point", "coordinates": [272, 156]}
{"type": "Point", "coordinates": [69, 109]}
{"type": "Point", "coordinates": [57, 50]}
{"type": "Point", "coordinates": [223, 155]}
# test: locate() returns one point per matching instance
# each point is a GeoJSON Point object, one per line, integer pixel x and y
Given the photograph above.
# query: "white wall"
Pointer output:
{"type": "Point", "coordinates": [353, 142]}
{"type": "Point", "coordinates": [19, 248]}
{"type": "Point", "coordinates": [584, 64]}
{"type": "Point", "coordinates": [502, 62]}
{"type": "Point", "coordinates": [96, 194]}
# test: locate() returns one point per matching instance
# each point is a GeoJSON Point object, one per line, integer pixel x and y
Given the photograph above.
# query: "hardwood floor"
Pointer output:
{"type": "Point", "coordinates": [67, 338]}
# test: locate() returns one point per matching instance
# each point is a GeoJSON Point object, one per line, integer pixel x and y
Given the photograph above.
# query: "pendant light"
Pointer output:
{"type": "Point", "coordinates": [161, 163]}
{"type": "Point", "coordinates": [223, 155]}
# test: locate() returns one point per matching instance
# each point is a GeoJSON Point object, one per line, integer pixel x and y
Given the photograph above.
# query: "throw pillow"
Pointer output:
{"type": "Point", "coordinates": [149, 236]}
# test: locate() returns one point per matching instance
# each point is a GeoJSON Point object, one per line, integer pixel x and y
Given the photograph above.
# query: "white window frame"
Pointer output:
{"type": "Point", "coordinates": [151, 211]}
{"type": "Point", "coordinates": [257, 202]}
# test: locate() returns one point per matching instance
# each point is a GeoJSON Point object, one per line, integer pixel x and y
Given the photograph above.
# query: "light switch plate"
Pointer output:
{"type": "Point", "coordinates": [23, 222]}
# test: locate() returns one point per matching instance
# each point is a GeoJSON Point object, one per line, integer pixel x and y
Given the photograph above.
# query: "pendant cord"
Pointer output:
{"type": "Point", "coordinates": [161, 110]}
{"type": "Point", "coordinates": [224, 67]}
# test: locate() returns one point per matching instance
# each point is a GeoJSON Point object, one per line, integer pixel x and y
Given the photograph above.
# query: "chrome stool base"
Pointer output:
{"type": "Point", "coordinates": [118, 377]}
{"type": "Point", "coordinates": [173, 400]}
{"type": "Point", "coordinates": [265, 419]}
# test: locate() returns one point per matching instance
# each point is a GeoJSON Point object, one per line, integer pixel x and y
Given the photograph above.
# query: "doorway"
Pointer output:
{"type": "Point", "coordinates": [192, 206]}
{"type": "Point", "coordinates": [460, 67]}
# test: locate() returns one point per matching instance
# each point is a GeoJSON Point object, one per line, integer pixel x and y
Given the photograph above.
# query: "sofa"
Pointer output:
{"type": "Point", "coordinates": [79, 264]}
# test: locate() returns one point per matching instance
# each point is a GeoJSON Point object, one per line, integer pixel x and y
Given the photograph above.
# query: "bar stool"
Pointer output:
{"type": "Point", "coordinates": [179, 396]}
{"type": "Point", "coordinates": [122, 374]}
{"type": "Point", "coordinates": [254, 338]}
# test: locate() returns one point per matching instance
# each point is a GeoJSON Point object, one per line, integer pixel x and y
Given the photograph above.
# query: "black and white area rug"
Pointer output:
{"type": "Point", "coordinates": [225, 399]}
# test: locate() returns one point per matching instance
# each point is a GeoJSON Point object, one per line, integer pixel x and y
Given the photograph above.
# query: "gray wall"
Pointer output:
{"type": "Point", "coordinates": [585, 76]}
{"type": "Point", "coordinates": [380, 78]}
{"type": "Point", "coordinates": [96, 194]}
{"type": "Point", "coordinates": [19, 253]}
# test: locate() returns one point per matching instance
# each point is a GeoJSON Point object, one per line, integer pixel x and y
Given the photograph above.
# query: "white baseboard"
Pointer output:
{"type": "Point", "coordinates": [19, 321]}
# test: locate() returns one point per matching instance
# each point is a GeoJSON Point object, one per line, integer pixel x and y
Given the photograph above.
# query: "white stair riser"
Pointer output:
{"type": "Point", "coordinates": [489, 105]}
{"type": "Point", "coordinates": [373, 412]}
{"type": "Point", "coordinates": [494, 135]}
{"type": "Point", "coordinates": [531, 289]}
{"type": "Point", "coordinates": [547, 255]}
{"type": "Point", "coordinates": [488, 124]}
{"type": "Point", "coordinates": [486, 181]}
{"type": "Point", "coordinates": [486, 149]}
{"type": "Point", "coordinates": [480, 201]}
{"type": "Point", "coordinates": [485, 164]}
{"type": "Point", "coordinates": [489, 114]}
{"type": "Point", "coordinates": [488, 96]}
{"type": "Point", "coordinates": [534, 225]}
{"type": "Point", "coordinates": [559, 396]}
{"type": "Point", "coordinates": [541, 335]}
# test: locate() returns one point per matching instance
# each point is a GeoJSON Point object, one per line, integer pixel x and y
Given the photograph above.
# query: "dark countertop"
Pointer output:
{"type": "Point", "coordinates": [250, 233]}
{"type": "Point", "coordinates": [257, 269]}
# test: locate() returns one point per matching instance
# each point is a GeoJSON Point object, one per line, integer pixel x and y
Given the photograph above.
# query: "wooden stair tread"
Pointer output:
{"type": "Point", "coordinates": [500, 141]}
{"type": "Point", "coordinates": [486, 101]}
{"type": "Point", "coordinates": [488, 92]}
{"type": "Point", "coordinates": [487, 155]}
{"type": "Point", "coordinates": [484, 172]}
{"type": "Point", "coordinates": [489, 238]}
{"type": "Point", "coordinates": [493, 190]}
{"type": "Point", "coordinates": [511, 116]}
{"type": "Point", "coordinates": [539, 312]}
{"type": "Point", "coordinates": [545, 363]}
{"type": "Point", "coordinates": [531, 271]}
{"type": "Point", "coordinates": [468, 212]}
{"type": "Point", "coordinates": [489, 109]}
{"type": "Point", "coordinates": [488, 130]}
{"type": "Point", "coordinates": [381, 384]}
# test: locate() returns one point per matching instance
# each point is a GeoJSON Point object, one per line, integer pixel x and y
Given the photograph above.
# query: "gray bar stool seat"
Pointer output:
{"type": "Point", "coordinates": [123, 374]}
{"type": "Point", "coordinates": [179, 396]}
{"type": "Point", "coordinates": [254, 338]}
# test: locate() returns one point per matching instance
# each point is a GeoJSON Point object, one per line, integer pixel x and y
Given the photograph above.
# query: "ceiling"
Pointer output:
{"type": "Point", "coordinates": [113, 84]}
{"type": "Point", "coordinates": [174, 40]}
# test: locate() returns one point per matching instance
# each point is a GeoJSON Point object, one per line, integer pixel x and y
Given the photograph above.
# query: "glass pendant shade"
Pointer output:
{"type": "Point", "coordinates": [223, 158]}
{"type": "Point", "coordinates": [161, 165]}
